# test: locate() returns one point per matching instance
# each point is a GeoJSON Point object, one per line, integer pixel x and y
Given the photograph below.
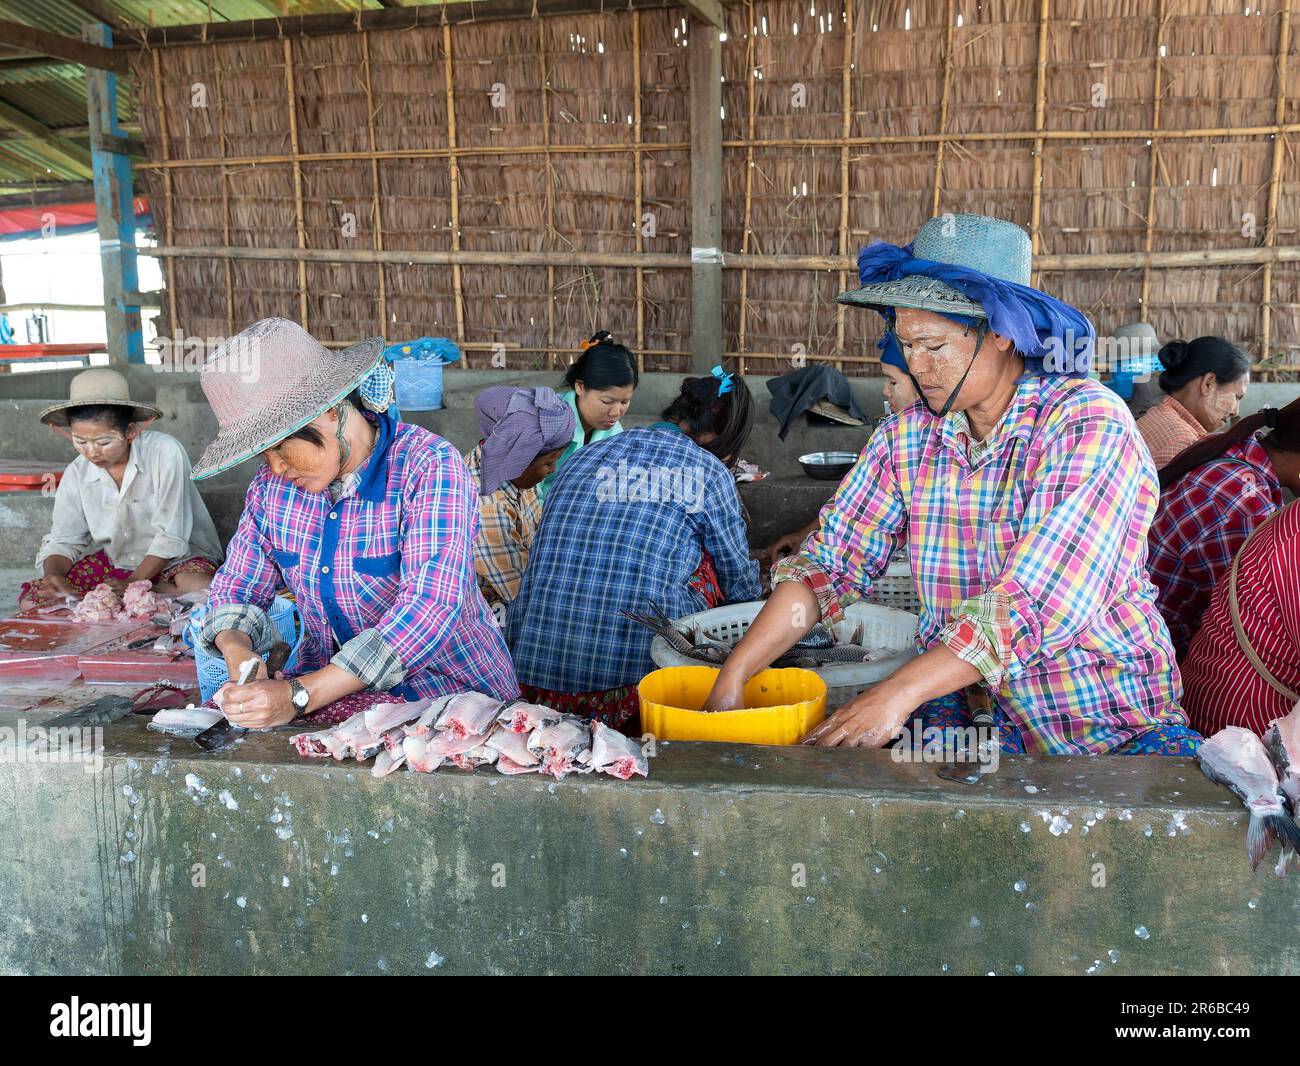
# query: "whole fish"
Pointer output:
{"type": "Point", "coordinates": [713, 653]}
{"type": "Point", "coordinates": [1237, 758]}
{"type": "Point", "coordinates": [811, 658]}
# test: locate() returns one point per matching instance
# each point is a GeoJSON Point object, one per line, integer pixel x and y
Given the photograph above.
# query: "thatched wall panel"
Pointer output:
{"type": "Point", "coordinates": [409, 89]}
{"type": "Point", "coordinates": [1218, 71]}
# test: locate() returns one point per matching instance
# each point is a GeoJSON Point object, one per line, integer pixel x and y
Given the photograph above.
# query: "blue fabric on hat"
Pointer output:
{"type": "Point", "coordinates": [890, 353]}
{"type": "Point", "coordinates": [1027, 317]}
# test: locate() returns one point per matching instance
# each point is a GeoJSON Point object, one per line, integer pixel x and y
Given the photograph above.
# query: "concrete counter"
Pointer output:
{"type": "Point", "coordinates": [727, 859]}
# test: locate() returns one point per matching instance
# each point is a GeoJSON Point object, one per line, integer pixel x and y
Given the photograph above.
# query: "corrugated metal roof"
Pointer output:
{"type": "Point", "coordinates": [54, 92]}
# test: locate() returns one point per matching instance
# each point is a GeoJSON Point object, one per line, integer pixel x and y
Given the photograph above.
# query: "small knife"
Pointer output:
{"type": "Point", "coordinates": [225, 733]}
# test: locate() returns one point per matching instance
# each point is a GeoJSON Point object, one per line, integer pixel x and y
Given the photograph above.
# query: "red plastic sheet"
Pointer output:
{"type": "Point", "coordinates": [145, 667]}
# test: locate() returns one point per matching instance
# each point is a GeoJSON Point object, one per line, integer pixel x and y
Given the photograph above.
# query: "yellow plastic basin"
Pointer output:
{"type": "Point", "coordinates": [780, 706]}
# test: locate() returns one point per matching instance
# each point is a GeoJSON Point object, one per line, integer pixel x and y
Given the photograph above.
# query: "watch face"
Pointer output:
{"type": "Point", "coordinates": [301, 698]}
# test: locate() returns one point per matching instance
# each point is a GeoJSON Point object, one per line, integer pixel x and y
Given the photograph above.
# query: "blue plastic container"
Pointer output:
{"type": "Point", "coordinates": [417, 366]}
{"type": "Point", "coordinates": [212, 668]}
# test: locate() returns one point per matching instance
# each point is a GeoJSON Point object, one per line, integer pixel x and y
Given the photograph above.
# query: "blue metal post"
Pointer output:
{"type": "Point", "coordinates": [114, 208]}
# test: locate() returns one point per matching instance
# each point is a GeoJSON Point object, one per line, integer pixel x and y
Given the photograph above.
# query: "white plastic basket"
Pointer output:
{"type": "Point", "coordinates": [896, 588]}
{"type": "Point", "coordinates": [882, 627]}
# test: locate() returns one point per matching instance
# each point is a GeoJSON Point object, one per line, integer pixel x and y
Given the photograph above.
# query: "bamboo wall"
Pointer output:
{"type": "Point", "coordinates": [841, 125]}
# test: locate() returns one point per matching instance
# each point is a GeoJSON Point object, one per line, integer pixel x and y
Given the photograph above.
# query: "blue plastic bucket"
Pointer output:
{"type": "Point", "coordinates": [419, 384]}
{"type": "Point", "coordinates": [212, 672]}
{"type": "Point", "coordinates": [417, 368]}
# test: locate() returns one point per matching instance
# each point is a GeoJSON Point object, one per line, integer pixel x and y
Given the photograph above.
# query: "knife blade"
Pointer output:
{"type": "Point", "coordinates": [225, 733]}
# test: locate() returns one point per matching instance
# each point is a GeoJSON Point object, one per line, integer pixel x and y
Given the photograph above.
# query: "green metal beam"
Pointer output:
{"type": "Point", "coordinates": [74, 157]}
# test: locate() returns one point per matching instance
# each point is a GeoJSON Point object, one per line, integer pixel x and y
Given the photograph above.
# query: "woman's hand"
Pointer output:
{"type": "Point", "coordinates": [870, 720]}
{"type": "Point", "coordinates": [728, 692]}
{"type": "Point", "coordinates": [789, 544]}
{"type": "Point", "coordinates": [787, 616]}
{"type": "Point", "coordinates": [258, 704]}
{"type": "Point", "coordinates": [54, 587]}
{"type": "Point", "coordinates": [873, 718]}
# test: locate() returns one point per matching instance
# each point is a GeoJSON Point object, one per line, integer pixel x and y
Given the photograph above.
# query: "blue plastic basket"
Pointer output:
{"type": "Point", "coordinates": [212, 668]}
{"type": "Point", "coordinates": [417, 367]}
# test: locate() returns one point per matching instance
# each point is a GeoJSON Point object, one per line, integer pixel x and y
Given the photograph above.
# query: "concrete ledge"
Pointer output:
{"type": "Point", "coordinates": [728, 859]}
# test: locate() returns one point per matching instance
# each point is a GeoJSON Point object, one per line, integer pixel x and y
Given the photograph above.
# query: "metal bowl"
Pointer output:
{"type": "Point", "coordinates": [827, 466]}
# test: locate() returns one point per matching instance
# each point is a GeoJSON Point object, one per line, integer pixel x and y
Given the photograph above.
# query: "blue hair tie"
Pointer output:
{"type": "Point", "coordinates": [724, 380]}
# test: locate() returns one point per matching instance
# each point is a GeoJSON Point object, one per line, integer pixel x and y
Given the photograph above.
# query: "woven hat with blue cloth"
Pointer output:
{"type": "Point", "coordinates": [975, 270]}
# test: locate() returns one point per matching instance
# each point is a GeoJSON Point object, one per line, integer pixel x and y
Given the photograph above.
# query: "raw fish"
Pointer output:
{"type": "Point", "coordinates": [470, 714]}
{"type": "Point", "coordinates": [1283, 743]}
{"type": "Point", "coordinates": [513, 746]}
{"type": "Point", "coordinates": [523, 717]}
{"type": "Point", "coordinates": [507, 765]}
{"type": "Point", "coordinates": [426, 723]}
{"type": "Point", "coordinates": [385, 764]}
{"type": "Point", "coordinates": [448, 744]}
{"type": "Point", "coordinates": [384, 716]}
{"type": "Point", "coordinates": [141, 603]}
{"type": "Point", "coordinates": [185, 721]}
{"type": "Point", "coordinates": [418, 756]}
{"type": "Point", "coordinates": [562, 746]}
{"type": "Point", "coordinates": [100, 604]}
{"type": "Point", "coordinates": [1237, 758]}
{"type": "Point", "coordinates": [614, 754]}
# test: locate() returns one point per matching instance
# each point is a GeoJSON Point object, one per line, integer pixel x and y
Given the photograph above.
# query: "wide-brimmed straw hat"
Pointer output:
{"type": "Point", "coordinates": [992, 246]}
{"type": "Point", "coordinates": [270, 381]}
{"type": "Point", "coordinates": [99, 387]}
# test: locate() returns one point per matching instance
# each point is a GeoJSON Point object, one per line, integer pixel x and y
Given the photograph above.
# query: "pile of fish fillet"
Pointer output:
{"type": "Point", "coordinates": [139, 602]}
{"type": "Point", "coordinates": [1265, 775]}
{"type": "Point", "coordinates": [469, 730]}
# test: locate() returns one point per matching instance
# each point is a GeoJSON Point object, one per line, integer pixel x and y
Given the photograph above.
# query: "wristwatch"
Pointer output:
{"type": "Point", "coordinates": [300, 696]}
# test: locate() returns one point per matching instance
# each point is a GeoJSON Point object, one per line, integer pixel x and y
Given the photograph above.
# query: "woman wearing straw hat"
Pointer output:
{"type": "Point", "coordinates": [1023, 492]}
{"type": "Point", "coordinates": [525, 430]}
{"type": "Point", "coordinates": [125, 509]}
{"type": "Point", "coordinates": [370, 524]}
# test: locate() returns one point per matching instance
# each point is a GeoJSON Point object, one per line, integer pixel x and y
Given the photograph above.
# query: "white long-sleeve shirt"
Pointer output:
{"type": "Point", "coordinates": [157, 511]}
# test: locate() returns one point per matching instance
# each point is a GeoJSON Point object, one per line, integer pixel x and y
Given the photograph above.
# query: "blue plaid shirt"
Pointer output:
{"type": "Point", "coordinates": [384, 577]}
{"type": "Point", "coordinates": [626, 522]}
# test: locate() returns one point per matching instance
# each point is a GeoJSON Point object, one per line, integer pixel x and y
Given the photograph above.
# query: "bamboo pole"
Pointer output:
{"type": "Point", "coordinates": [846, 93]}
{"type": "Point", "coordinates": [423, 153]}
{"type": "Point", "coordinates": [550, 196]}
{"type": "Point", "coordinates": [973, 137]}
{"type": "Point", "coordinates": [682, 261]}
{"type": "Point", "coordinates": [225, 206]}
{"type": "Point", "coordinates": [297, 181]}
{"type": "Point", "coordinates": [454, 173]}
{"type": "Point", "coordinates": [1040, 111]}
{"type": "Point", "coordinates": [1144, 300]}
{"type": "Point", "coordinates": [943, 114]}
{"type": "Point", "coordinates": [749, 183]}
{"type": "Point", "coordinates": [1275, 180]}
{"type": "Point", "coordinates": [640, 186]}
{"type": "Point", "coordinates": [374, 185]}
{"type": "Point", "coordinates": [164, 142]}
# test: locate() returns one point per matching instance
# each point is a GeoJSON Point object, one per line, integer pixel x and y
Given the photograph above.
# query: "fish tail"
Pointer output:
{"type": "Point", "coordinates": [1259, 837]}
{"type": "Point", "coordinates": [1286, 830]}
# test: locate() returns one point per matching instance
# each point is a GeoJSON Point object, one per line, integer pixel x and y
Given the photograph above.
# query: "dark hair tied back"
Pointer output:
{"type": "Point", "coordinates": [701, 410]}
{"type": "Point", "coordinates": [603, 365]}
{"type": "Point", "coordinates": [1185, 361]}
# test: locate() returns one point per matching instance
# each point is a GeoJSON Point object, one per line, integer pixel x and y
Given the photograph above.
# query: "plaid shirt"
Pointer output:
{"type": "Point", "coordinates": [383, 578]}
{"type": "Point", "coordinates": [610, 540]}
{"type": "Point", "coordinates": [1029, 555]}
{"type": "Point", "coordinates": [1168, 428]}
{"type": "Point", "coordinates": [508, 522]}
{"type": "Point", "coordinates": [1204, 518]}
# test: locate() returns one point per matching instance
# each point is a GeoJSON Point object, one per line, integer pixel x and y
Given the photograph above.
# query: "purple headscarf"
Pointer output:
{"type": "Point", "coordinates": [519, 425]}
